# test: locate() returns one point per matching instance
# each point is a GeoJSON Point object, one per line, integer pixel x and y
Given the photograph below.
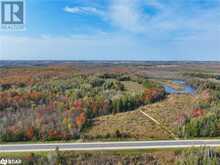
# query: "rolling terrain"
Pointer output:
{"type": "Point", "coordinates": [109, 101]}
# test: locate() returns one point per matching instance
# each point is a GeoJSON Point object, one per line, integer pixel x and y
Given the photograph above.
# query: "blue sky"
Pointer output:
{"type": "Point", "coordinates": [116, 30]}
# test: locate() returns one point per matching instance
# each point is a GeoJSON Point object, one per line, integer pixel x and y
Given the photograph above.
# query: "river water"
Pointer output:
{"type": "Point", "coordinates": [187, 89]}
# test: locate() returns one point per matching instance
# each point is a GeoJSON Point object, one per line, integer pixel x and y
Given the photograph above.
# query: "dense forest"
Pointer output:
{"type": "Point", "coordinates": [56, 103]}
{"type": "Point", "coordinates": [205, 117]}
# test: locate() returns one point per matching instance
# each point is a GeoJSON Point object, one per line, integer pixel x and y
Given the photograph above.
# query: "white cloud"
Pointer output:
{"type": "Point", "coordinates": [170, 19]}
{"type": "Point", "coordinates": [126, 14]}
{"type": "Point", "coordinates": [83, 10]}
{"type": "Point", "coordinates": [72, 9]}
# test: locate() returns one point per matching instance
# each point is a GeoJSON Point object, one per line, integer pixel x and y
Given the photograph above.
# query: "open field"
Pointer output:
{"type": "Point", "coordinates": [132, 125]}
{"type": "Point", "coordinates": [137, 126]}
{"type": "Point", "coordinates": [169, 109]}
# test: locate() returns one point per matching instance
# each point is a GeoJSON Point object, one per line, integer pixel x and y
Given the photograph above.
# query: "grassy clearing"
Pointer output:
{"type": "Point", "coordinates": [133, 124]}
{"type": "Point", "coordinates": [167, 110]}
{"type": "Point", "coordinates": [136, 126]}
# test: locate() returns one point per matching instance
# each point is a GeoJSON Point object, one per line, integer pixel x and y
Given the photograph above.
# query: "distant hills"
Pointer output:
{"type": "Point", "coordinates": [13, 63]}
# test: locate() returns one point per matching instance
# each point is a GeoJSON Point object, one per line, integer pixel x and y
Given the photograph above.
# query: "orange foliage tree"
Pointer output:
{"type": "Point", "coordinates": [81, 119]}
{"type": "Point", "coordinates": [30, 133]}
{"type": "Point", "coordinates": [198, 112]}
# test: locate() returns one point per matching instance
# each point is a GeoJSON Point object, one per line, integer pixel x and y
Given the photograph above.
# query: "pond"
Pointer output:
{"type": "Point", "coordinates": [187, 89]}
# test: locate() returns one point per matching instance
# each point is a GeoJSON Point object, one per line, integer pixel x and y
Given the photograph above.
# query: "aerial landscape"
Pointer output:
{"type": "Point", "coordinates": [110, 82]}
{"type": "Point", "coordinates": [110, 101]}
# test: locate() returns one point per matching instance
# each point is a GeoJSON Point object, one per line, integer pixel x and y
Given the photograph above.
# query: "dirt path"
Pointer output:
{"type": "Point", "coordinates": [167, 111]}
{"type": "Point", "coordinates": [160, 125]}
{"type": "Point", "coordinates": [133, 123]}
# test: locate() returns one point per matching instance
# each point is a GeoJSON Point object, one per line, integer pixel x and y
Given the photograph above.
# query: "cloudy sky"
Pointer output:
{"type": "Point", "coordinates": [116, 30]}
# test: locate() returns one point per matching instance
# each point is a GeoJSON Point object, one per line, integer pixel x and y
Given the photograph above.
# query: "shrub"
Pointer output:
{"type": "Point", "coordinates": [199, 127]}
{"type": "Point", "coordinates": [199, 156]}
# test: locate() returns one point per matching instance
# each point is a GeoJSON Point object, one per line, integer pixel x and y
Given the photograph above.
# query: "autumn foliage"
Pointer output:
{"type": "Point", "coordinates": [154, 94]}
{"type": "Point", "coordinates": [54, 103]}
{"type": "Point", "coordinates": [198, 113]}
